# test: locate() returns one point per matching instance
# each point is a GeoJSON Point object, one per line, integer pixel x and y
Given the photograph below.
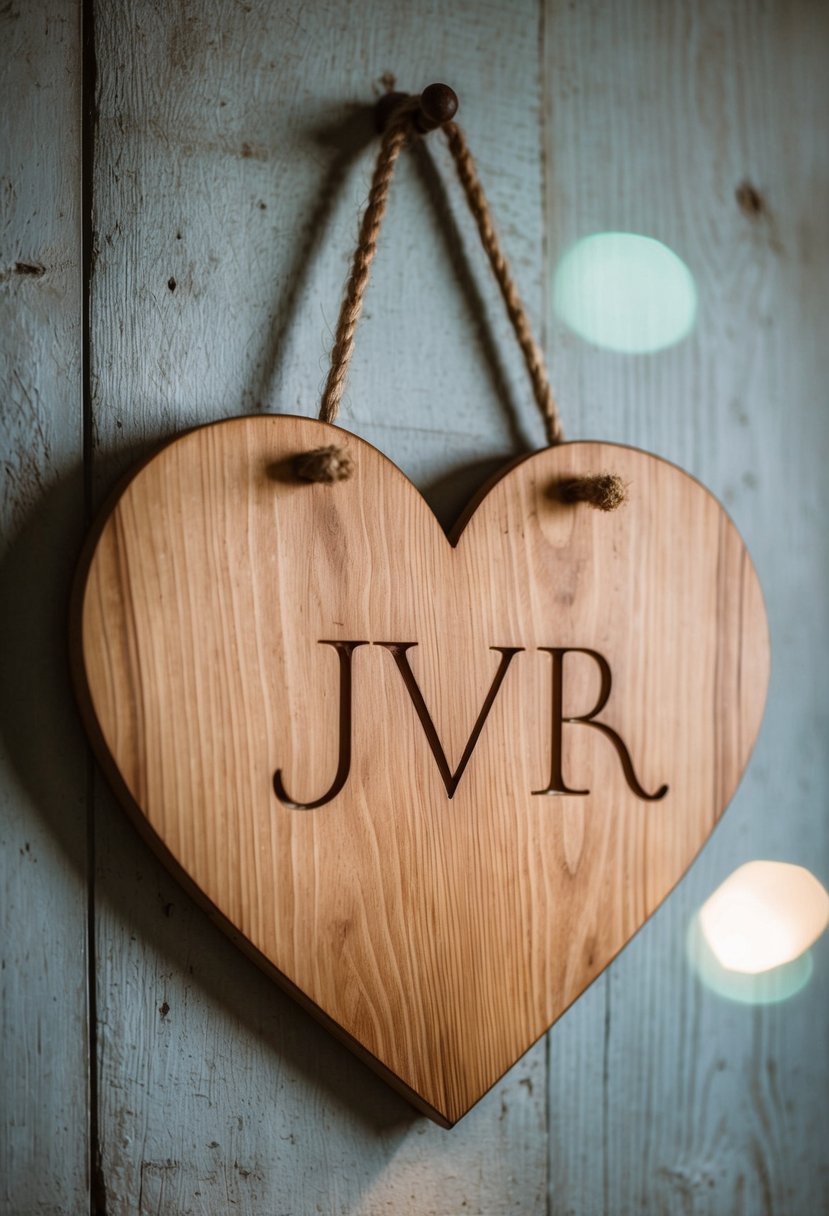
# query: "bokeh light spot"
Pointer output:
{"type": "Point", "coordinates": [766, 913]}
{"type": "Point", "coordinates": [750, 940]}
{"type": "Point", "coordinates": [625, 292]}
{"type": "Point", "coordinates": [762, 988]}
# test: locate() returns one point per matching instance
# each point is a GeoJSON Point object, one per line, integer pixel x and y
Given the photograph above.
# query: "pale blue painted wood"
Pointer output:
{"type": "Point", "coordinates": [663, 1096]}
{"type": "Point", "coordinates": [216, 1092]}
{"type": "Point", "coordinates": [43, 893]}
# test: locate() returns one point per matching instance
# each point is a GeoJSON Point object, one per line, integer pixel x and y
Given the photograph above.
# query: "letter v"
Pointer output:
{"type": "Point", "coordinates": [450, 779]}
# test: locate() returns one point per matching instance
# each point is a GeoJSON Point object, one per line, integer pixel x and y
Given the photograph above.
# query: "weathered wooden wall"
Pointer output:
{"type": "Point", "coordinates": [658, 114]}
{"type": "Point", "coordinates": [44, 1100]}
{"type": "Point", "coordinates": [231, 155]}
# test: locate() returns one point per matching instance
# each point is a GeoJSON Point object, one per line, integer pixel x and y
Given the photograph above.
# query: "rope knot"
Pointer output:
{"type": "Point", "coordinates": [326, 465]}
{"type": "Point", "coordinates": [604, 491]}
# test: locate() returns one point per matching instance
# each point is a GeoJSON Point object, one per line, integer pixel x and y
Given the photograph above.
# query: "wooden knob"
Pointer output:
{"type": "Point", "coordinates": [438, 105]}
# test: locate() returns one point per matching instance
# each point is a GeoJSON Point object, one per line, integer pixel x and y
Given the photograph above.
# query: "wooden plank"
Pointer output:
{"type": "Point", "coordinates": [43, 1024]}
{"type": "Point", "coordinates": [233, 154]}
{"type": "Point", "coordinates": [664, 1097]}
{"type": "Point", "coordinates": [369, 813]}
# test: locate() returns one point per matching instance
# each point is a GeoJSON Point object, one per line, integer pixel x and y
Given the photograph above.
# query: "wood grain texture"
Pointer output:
{"type": "Point", "coordinates": [663, 1096]}
{"type": "Point", "coordinates": [249, 324]}
{"type": "Point", "coordinates": [443, 922]}
{"type": "Point", "coordinates": [43, 895]}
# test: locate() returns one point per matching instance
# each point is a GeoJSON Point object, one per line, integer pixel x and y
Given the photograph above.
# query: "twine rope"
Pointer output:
{"type": "Point", "coordinates": [395, 137]}
{"type": "Point", "coordinates": [397, 134]}
{"type": "Point", "coordinates": [478, 205]}
{"type": "Point", "coordinates": [331, 464]}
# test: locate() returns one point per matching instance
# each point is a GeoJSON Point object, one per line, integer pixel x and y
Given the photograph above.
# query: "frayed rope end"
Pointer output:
{"type": "Point", "coordinates": [604, 491]}
{"type": "Point", "coordinates": [325, 465]}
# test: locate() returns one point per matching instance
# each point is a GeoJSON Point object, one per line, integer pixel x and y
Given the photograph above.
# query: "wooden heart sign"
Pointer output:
{"type": "Point", "coordinates": [433, 785]}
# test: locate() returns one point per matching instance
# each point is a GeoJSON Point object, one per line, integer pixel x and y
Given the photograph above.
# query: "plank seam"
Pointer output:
{"type": "Point", "coordinates": [543, 96]}
{"type": "Point", "coordinates": [89, 122]}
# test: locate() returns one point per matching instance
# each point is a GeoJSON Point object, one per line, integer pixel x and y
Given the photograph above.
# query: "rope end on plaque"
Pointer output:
{"type": "Point", "coordinates": [324, 465]}
{"type": "Point", "coordinates": [604, 491]}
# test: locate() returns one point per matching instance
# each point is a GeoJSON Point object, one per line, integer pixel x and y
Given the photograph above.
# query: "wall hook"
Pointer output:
{"type": "Point", "coordinates": [438, 105]}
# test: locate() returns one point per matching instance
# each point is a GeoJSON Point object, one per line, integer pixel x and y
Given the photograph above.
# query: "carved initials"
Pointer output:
{"type": "Point", "coordinates": [345, 650]}
{"type": "Point", "coordinates": [556, 784]}
{"type": "Point", "coordinates": [450, 779]}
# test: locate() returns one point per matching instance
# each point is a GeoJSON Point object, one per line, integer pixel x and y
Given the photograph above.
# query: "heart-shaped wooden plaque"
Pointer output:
{"type": "Point", "coordinates": [433, 785]}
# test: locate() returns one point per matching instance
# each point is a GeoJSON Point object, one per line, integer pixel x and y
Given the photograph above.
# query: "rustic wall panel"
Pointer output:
{"type": "Point", "coordinates": [233, 148]}
{"type": "Point", "coordinates": [235, 144]}
{"type": "Point", "coordinates": [704, 126]}
{"type": "Point", "coordinates": [43, 893]}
